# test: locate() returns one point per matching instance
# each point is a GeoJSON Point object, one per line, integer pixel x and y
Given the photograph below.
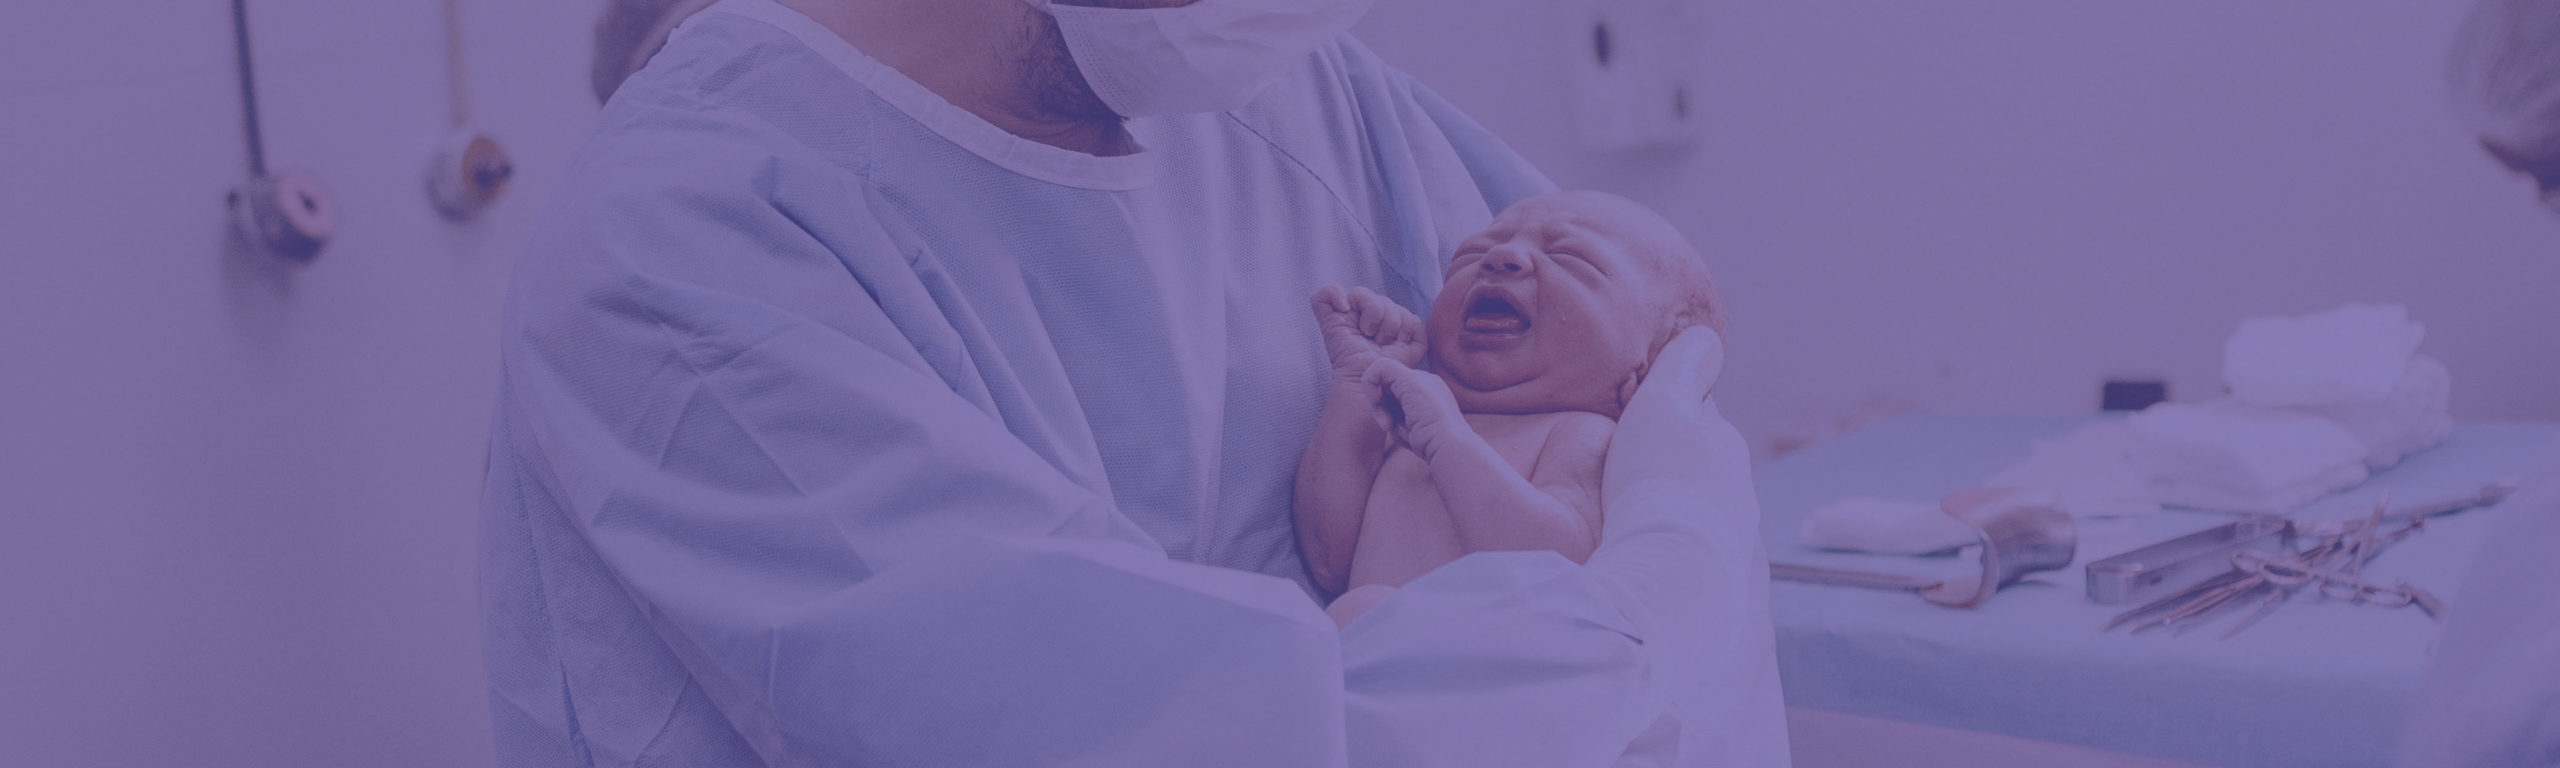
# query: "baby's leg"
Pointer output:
{"type": "Point", "coordinates": [1359, 600]}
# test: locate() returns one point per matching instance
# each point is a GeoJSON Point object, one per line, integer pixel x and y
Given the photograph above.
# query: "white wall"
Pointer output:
{"type": "Point", "coordinates": [238, 510]}
{"type": "Point", "coordinates": [1996, 204]}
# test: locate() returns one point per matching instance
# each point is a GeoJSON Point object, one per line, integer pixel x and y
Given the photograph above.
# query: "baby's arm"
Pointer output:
{"type": "Point", "coordinates": [1492, 506]}
{"type": "Point", "coordinates": [1334, 478]}
{"type": "Point", "coordinates": [1342, 459]}
{"type": "Point", "coordinates": [1568, 468]}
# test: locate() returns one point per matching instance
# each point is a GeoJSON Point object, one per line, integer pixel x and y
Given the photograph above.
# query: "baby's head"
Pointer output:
{"type": "Point", "coordinates": [1563, 300]}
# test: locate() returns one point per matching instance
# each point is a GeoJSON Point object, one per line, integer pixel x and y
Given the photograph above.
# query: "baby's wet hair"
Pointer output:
{"type": "Point", "coordinates": [1694, 296]}
{"type": "Point", "coordinates": [1689, 294]}
{"type": "Point", "coordinates": [1684, 290]}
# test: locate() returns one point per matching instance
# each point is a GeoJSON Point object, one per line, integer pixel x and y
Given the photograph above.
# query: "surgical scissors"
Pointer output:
{"type": "Point", "coordinates": [2334, 567]}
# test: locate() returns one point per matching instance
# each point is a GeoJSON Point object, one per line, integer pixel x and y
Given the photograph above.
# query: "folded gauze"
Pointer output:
{"type": "Point", "coordinates": [2352, 354]}
{"type": "Point", "coordinates": [1886, 528]}
{"type": "Point", "coordinates": [2087, 473]}
{"type": "Point", "coordinates": [2356, 365]}
{"type": "Point", "coordinates": [2230, 457]}
{"type": "Point", "coordinates": [2415, 416]}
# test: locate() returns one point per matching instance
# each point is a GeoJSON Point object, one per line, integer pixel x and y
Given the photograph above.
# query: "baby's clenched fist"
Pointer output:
{"type": "Point", "coordinates": [1361, 327]}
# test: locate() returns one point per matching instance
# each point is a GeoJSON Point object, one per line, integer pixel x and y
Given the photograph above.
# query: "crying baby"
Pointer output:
{"type": "Point", "coordinates": [1546, 322]}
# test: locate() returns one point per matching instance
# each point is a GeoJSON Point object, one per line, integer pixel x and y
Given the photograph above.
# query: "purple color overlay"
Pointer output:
{"type": "Point", "coordinates": [238, 499]}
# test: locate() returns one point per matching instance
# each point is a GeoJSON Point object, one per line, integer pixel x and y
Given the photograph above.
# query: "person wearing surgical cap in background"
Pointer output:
{"type": "Point", "coordinates": [2492, 694]}
{"type": "Point", "coordinates": [921, 382]}
{"type": "Point", "coordinates": [2506, 76]}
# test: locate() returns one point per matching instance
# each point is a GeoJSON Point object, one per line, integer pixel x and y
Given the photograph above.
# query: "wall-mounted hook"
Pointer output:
{"type": "Point", "coordinates": [467, 173]}
{"type": "Point", "coordinates": [288, 215]}
{"type": "Point", "coordinates": [468, 170]}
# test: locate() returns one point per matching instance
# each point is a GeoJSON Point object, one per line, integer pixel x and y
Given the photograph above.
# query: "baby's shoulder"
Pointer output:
{"type": "Point", "coordinates": [1577, 433]}
{"type": "Point", "coordinates": [1577, 421]}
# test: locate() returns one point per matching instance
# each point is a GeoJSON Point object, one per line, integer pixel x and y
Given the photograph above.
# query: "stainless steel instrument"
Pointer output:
{"type": "Point", "coordinates": [2173, 566]}
{"type": "Point", "coordinates": [2334, 567]}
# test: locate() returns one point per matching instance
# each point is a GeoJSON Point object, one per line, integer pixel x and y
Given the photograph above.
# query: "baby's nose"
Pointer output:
{"type": "Point", "coordinates": [1508, 261]}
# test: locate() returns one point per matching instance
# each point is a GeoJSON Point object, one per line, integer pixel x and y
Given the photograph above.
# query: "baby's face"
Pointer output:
{"type": "Point", "coordinates": [1553, 307]}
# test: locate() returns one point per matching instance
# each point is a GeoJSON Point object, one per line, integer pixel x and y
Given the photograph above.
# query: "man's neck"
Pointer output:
{"type": "Point", "coordinates": [969, 52]}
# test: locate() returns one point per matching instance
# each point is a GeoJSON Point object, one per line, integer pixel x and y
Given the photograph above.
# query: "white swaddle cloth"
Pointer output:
{"type": "Point", "coordinates": [2317, 402]}
{"type": "Point", "coordinates": [2415, 415]}
{"type": "Point", "coordinates": [2356, 365]}
{"type": "Point", "coordinates": [2351, 354]}
{"type": "Point", "coordinates": [1885, 527]}
{"type": "Point", "coordinates": [2229, 457]}
{"type": "Point", "coordinates": [2088, 473]}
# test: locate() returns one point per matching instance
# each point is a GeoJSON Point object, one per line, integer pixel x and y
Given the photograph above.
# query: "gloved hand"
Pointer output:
{"type": "Point", "coordinates": [1658, 651]}
{"type": "Point", "coordinates": [1415, 408]}
{"type": "Point", "coordinates": [1671, 439]}
{"type": "Point", "coordinates": [1680, 536]}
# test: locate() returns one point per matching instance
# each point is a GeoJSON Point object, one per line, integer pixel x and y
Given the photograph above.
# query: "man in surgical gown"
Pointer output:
{"type": "Point", "coordinates": [840, 426]}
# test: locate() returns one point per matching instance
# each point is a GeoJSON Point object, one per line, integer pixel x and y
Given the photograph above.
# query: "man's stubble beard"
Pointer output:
{"type": "Point", "coordinates": [1058, 87]}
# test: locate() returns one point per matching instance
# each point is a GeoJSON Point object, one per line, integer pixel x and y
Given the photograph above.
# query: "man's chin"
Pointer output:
{"type": "Point", "coordinates": [1058, 87]}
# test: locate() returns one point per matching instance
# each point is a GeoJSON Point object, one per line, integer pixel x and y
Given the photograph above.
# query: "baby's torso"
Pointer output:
{"type": "Point", "coordinates": [1408, 530]}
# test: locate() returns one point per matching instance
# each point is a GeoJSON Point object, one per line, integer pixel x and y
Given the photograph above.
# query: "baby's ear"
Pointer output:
{"type": "Point", "coordinates": [1710, 316]}
{"type": "Point", "coordinates": [1627, 388]}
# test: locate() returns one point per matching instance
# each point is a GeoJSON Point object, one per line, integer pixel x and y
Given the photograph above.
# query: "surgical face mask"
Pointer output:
{"type": "Point", "coordinates": [1209, 56]}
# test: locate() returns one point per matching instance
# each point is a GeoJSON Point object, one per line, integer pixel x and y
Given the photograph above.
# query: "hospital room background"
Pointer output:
{"type": "Point", "coordinates": [240, 496]}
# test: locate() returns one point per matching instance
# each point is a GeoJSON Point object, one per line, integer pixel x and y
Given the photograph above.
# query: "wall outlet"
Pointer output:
{"type": "Point", "coordinates": [1636, 67]}
{"type": "Point", "coordinates": [2132, 394]}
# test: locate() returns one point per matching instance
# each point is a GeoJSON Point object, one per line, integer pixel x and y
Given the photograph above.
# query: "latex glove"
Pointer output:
{"type": "Point", "coordinates": [1658, 651]}
{"type": "Point", "coordinates": [1671, 441]}
{"type": "Point", "coordinates": [1415, 408]}
{"type": "Point", "coordinates": [1680, 543]}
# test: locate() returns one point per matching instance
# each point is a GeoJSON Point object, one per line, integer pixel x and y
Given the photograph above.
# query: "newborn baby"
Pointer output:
{"type": "Point", "coordinates": [1547, 320]}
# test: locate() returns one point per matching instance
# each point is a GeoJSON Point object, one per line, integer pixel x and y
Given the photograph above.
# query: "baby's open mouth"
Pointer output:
{"type": "Point", "coordinates": [1490, 311]}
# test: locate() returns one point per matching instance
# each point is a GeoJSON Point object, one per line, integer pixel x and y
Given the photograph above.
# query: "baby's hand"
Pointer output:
{"type": "Point", "coordinates": [1415, 407]}
{"type": "Point", "coordinates": [1361, 327]}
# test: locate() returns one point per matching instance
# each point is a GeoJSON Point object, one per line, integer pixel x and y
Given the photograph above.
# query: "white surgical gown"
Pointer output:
{"type": "Point", "coordinates": [2491, 698]}
{"type": "Point", "coordinates": [840, 428]}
